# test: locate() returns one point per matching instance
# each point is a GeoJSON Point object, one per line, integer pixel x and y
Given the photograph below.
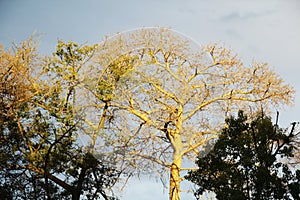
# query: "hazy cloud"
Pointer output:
{"type": "Point", "coordinates": [242, 16]}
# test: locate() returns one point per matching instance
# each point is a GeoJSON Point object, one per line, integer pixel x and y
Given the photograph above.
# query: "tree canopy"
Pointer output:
{"type": "Point", "coordinates": [39, 153]}
{"type": "Point", "coordinates": [169, 99]}
{"type": "Point", "coordinates": [148, 100]}
{"type": "Point", "coordinates": [249, 161]}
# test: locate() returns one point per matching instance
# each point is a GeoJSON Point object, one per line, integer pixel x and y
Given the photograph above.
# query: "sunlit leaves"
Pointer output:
{"type": "Point", "coordinates": [114, 75]}
{"type": "Point", "coordinates": [39, 152]}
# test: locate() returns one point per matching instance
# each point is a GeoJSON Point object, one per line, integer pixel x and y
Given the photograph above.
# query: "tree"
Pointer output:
{"type": "Point", "coordinates": [155, 99]}
{"type": "Point", "coordinates": [40, 157]}
{"type": "Point", "coordinates": [249, 162]}
{"type": "Point", "coordinates": [296, 143]}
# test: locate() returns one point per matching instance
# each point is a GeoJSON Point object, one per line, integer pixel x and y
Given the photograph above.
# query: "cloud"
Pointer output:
{"type": "Point", "coordinates": [240, 16]}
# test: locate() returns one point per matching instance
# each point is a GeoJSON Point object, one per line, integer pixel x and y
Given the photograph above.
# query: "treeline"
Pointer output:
{"type": "Point", "coordinates": [147, 103]}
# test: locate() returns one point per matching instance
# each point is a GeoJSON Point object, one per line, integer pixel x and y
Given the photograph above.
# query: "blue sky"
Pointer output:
{"type": "Point", "coordinates": [262, 30]}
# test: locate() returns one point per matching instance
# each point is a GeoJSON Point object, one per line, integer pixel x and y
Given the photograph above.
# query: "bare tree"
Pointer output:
{"type": "Point", "coordinates": [155, 98]}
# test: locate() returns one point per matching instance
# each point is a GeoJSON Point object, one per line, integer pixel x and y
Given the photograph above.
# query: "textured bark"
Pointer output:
{"type": "Point", "coordinates": [176, 167]}
{"type": "Point", "coordinates": [175, 178]}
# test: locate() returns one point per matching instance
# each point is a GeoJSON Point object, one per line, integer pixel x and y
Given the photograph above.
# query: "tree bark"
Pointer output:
{"type": "Point", "coordinates": [175, 169]}
{"type": "Point", "coordinates": [175, 182]}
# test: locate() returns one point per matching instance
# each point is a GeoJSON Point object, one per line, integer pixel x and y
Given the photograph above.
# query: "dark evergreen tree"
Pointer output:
{"type": "Point", "coordinates": [249, 162]}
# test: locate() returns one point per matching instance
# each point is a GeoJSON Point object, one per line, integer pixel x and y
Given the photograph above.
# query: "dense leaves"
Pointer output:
{"type": "Point", "coordinates": [40, 157]}
{"type": "Point", "coordinates": [249, 162]}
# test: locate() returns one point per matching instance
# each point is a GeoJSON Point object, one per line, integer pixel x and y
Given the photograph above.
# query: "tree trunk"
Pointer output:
{"type": "Point", "coordinates": [75, 195]}
{"type": "Point", "coordinates": [175, 169]}
{"type": "Point", "coordinates": [175, 182]}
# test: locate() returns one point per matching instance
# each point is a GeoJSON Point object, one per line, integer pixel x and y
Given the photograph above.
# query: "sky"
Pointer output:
{"type": "Point", "coordinates": [260, 30]}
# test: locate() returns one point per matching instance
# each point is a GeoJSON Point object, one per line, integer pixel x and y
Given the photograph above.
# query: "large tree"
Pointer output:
{"type": "Point", "coordinates": [249, 162]}
{"type": "Point", "coordinates": [296, 143]}
{"type": "Point", "coordinates": [155, 98]}
{"type": "Point", "coordinates": [39, 153]}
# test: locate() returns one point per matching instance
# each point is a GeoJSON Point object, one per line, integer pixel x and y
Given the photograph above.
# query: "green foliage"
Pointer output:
{"type": "Point", "coordinates": [62, 70]}
{"type": "Point", "coordinates": [69, 58]}
{"type": "Point", "coordinates": [247, 162]}
{"type": "Point", "coordinates": [39, 153]}
{"type": "Point", "coordinates": [116, 73]}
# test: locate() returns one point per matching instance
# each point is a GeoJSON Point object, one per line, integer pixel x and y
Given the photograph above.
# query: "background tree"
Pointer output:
{"type": "Point", "coordinates": [155, 98]}
{"type": "Point", "coordinates": [296, 143]}
{"type": "Point", "coordinates": [39, 153]}
{"type": "Point", "coordinates": [249, 162]}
